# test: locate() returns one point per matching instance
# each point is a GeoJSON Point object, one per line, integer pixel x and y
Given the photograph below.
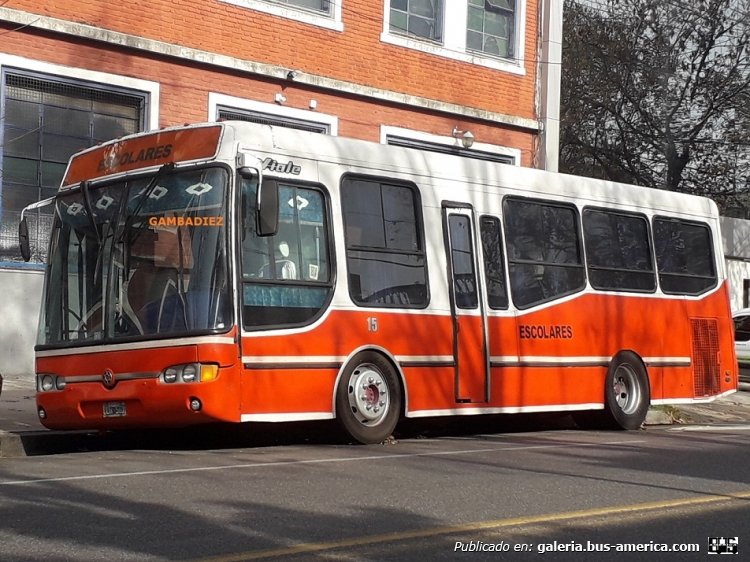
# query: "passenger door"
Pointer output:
{"type": "Point", "coordinates": [469, 333]}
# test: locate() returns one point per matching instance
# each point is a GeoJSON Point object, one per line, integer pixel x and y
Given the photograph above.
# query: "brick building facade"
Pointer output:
{"type": "Point", "coordinates": [411, 72]}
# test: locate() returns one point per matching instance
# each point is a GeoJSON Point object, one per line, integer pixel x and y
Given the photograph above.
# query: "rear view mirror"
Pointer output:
{"type": "Point", "coordinates": [23, 239]}
{"type": "Point", "coordinates": [23, 227]}
{"type": "Point", "coordinates": [268, 208]}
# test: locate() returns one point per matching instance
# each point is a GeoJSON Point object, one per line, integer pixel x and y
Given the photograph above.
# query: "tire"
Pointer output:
{"type": "Point", "coordinates": [627, 395]}
{"type": "Point", "coordinates": [368, 398]}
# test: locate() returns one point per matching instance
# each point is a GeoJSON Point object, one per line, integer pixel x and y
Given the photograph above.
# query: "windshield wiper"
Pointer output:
{"type": "Point", "coordinates": [148, 190]}
{"type": "Point", "coordinates": [90, 210]}
{"type": "Point", "coordinates": [92, 221]}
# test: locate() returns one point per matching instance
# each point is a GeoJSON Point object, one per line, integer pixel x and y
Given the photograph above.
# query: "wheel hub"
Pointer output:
{"type": "Point", "coordinates": [369, 398]}
{"type": "Point", "coordinates": [626, 389]}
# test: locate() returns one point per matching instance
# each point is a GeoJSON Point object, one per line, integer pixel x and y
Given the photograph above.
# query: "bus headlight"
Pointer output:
{"type": "Point", "coordinates": [190, 373]}
{"type": "Point", "coordinates": [45, 383]}
{"type": "Point", "coordinates": [170, 374]}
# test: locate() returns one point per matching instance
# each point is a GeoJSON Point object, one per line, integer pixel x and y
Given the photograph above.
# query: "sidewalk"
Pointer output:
{"type": "Point", "coordinates": [731, 409]}
{"type": "Point", "coordinates": [20, 426]}
{"type": "Point", "coordinates": [17, 405]}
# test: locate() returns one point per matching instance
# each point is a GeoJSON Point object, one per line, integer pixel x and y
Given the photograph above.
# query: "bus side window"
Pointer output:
{"type": "Point", "coordinates": [286, 277]}
{"type": "Point", "coordinates": [684, 256]}
{"type": "Point", "coordinates": [492, 249]}
{"type": "Point", "coordinates": [462, 261]}
{"type": "Point", "coordinates": [618, 251]}
{"type": "Point", "coordinates": [385, 254]}
{"type": "Point", "coordinates": [545, 260]}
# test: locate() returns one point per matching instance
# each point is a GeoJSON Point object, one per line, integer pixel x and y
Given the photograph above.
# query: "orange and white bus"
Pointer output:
{"type": "Point", "coordinates": [242, 273]}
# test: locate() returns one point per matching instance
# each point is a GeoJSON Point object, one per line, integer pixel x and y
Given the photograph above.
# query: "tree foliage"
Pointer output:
{"type": "Point", "coordinates": [657, 93]}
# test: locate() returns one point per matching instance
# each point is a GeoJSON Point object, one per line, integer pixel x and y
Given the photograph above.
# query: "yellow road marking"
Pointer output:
{"type": "Point", "coordinates": [476, 526]}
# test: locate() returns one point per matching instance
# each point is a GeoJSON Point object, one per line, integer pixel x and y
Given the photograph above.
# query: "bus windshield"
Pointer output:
{"type": "Point", "coordinates": [149, 259]}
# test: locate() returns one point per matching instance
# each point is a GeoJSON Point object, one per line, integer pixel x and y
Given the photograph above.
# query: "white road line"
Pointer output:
{"type": "Point", "coordinates": [714, 427]}
{"type": "Point", "coordinates": [315, 461]}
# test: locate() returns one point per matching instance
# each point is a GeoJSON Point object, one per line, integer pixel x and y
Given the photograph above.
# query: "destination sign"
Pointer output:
{"type": "Point", "coordinates": [142, 152]}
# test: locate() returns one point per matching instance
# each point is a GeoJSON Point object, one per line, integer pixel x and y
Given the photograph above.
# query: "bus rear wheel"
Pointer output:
{"type": "Point", "coordinates": [627, 394]}
{"type": "Point", "coordinates": [368, 398]}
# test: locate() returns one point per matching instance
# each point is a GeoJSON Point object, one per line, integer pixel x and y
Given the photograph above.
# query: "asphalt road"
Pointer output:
{"type": "Point", "coordinates": [224, 497]}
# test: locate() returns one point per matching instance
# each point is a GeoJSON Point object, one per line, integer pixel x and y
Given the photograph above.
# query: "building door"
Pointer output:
{"type": "Point", "coordinates": [469, 333]}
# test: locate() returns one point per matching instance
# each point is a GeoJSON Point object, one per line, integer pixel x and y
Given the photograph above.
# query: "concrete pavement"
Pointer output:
{"type": "Point", "coordinates": [21, 432]}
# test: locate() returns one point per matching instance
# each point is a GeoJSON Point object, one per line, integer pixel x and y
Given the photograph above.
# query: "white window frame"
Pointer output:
{"type": "Point", "coordinates": [387, 131]}
{"type": "Point", "coordinates": [104, 79]}
{"type": "Point", "coordinates": [215, 100]}
{"type": "Point", "coordinates": [453, 45]}
{"type": "Point", "coordinates": [151, 89]}
{"type": "Point", "coordinates": [332, 22]}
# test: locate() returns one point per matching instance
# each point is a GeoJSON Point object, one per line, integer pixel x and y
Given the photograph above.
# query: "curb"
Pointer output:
{"type": "Point", "coordinates": [46, 442]}
{"type": "Point", "coordinates": [11, 445]}
{"type": "Point", "coordinates": [661, 416]}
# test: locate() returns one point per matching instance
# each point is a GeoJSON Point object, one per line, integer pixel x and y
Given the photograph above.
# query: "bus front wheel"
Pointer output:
{"type": "Point", "coordinates": [368, 398]}
{"type": "Point", "coordinates": [627, 395]}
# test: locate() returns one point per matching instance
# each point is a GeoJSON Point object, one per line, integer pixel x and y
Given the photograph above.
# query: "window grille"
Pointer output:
{"type": "Point", "coordinates": [45, 121]}
{"type": "Point", "coordinates": [449, 149]}
{"type": "Point", "coordinates": [227, 114]}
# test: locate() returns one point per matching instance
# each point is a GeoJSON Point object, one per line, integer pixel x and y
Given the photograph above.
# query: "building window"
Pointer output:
{"type": "Point", "coordinates": [322, 6]}
{"type": "Point", "coordinates": [448, 149]}
{"type": "Point", "coordinates": [397, 136]}
{"type": "Point", "coordinates": [231, 114]}
{"type": "Point", "coordinates": [490, 27]}
{"type": "Point", "coordinates": [47, 120]}
{"type": "Point", "coordinates": [228, 108]}
{"type": "Point", "coordinates": [419, 18]}
{"type": "Point", "coordinates": [323, 13]}
{"type": "Point", "coordinates": [484, 32]}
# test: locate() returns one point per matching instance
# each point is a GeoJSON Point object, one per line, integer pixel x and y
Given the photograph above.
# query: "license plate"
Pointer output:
{"type": "Point", "coordinates": [114, 409]}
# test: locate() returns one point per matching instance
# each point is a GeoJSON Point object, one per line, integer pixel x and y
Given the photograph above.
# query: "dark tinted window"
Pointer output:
{"type": "Point", "coordinates": [742, 328]}
{"type": "Point", "coordinates": [684, 256]}
{"type": "Point", "coordinates": [462, 262]}
{"type": "Point", "coordinates": [494, 270]}
{"type": "Point", "coordinates": [384, 250]}
{"type": "Point", "coordinates": [544, 253]}
{"type": "Point", "coordinates": [617, 251]}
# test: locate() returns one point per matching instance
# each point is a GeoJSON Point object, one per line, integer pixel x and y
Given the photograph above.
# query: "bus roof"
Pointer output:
{"type": "Point", "coordinates": [222, 139]}
{"type": "Point", "coordinates": [359, 156]}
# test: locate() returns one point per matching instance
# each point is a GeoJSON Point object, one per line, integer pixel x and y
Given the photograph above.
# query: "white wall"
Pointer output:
{"type": "Point", "coordinates": [737, 272]}
{"type": "Point", "coordinates": [735, 235]}
{"type": "Point", "coordinates": [20, 301]}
